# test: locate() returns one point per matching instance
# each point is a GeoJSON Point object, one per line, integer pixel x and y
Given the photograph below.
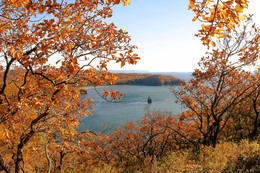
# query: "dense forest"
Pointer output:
{"type": "Point", "coordinates": [41, 109]}
{"type": "Point", "coordinates": [146, 79]}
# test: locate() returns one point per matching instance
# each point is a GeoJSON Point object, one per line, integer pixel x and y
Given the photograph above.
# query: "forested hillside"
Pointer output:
{"type": "Point", "coordinates": [146, 79]}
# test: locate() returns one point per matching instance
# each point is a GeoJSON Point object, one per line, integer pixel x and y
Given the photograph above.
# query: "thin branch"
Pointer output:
{"type": "Point", "coordinates": [4, 166]}
{"type": "Point", "coordinates": [48, 157]}
{"type": "Point", "coordinates": [5, 75]}
{"type": "Point", "coordinates": [24, 82]}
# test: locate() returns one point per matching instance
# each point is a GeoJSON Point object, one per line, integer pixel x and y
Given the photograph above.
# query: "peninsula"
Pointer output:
{"type": "Point", "coordinates": [142, 79]}
{"type": "Point", "coordinates": [146, 79]}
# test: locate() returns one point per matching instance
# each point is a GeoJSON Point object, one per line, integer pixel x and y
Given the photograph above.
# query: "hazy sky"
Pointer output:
{"type": "Point", "coordinates": [164, 33]}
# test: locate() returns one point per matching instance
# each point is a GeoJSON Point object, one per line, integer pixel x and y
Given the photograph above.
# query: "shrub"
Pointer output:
{"type": "Point", "coordinates": [226, 157]}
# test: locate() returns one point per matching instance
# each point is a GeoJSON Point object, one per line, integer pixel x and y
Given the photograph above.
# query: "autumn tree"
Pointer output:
{"type": "Point", "coordinates": [216, 15]}
{"type": "Point", "coordinates": [134, 144]}
{"type": "Point", "coordinates": [48, 48]}
{"type": "Point", "coordinates": [221, 83]}
{"type": "Point", "coordinates": [221, 21]}
{"type": "Point", "coordinates": [245, 121]}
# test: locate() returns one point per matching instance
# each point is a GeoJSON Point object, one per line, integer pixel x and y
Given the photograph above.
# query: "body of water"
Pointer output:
{"type": "Point", "coordinates": [108, 115]}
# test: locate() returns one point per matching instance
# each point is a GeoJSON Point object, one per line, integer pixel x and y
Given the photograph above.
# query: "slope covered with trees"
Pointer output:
{"type": "Point", "coordinates": [146, 79]}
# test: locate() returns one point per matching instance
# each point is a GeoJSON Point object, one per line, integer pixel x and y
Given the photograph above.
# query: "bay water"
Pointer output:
{"type": "Point", "coordinates": [106, 115]}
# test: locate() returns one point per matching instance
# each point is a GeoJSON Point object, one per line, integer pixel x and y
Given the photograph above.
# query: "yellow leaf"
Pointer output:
{"type": "Point", "coordinates": [213, 43]}
{"type": "Point", "coordinates": [239, 8]}
{"type": "Point", "coordinates": [194, 19]}
{"type": "Point", "coordinates": [126, 2]}
{"type": "Point", "coordinates": [228, 3]}
{"type": "Point", "coordinates": [242, 17]}
{"type": "Point", "coordinates": [221, 35]}
{"type": "Point", "coordinates": [191, 5]}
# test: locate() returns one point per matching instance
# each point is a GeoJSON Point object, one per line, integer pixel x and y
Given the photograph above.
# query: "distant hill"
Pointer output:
{"type": "Point", "coordinates": [146, 79]}
{"type": "Point", "coordinates": [186, 76]}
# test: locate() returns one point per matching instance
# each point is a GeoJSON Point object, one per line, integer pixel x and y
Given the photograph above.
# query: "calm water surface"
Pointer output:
{"type": "Point", "coordinates": [108, 115]}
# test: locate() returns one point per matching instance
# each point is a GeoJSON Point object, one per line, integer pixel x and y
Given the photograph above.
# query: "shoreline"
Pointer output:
{"type": "Point", "coordinates": [84, 89]}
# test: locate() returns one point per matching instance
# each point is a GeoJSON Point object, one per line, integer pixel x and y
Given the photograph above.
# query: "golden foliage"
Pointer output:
{"type": "Point", "coordinates": [216, 16]}
{"type": "Point", "coordinates": [39, 106]}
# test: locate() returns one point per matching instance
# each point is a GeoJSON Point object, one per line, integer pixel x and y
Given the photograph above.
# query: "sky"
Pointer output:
{"type": "Point", "coordinates": [164, 33]}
